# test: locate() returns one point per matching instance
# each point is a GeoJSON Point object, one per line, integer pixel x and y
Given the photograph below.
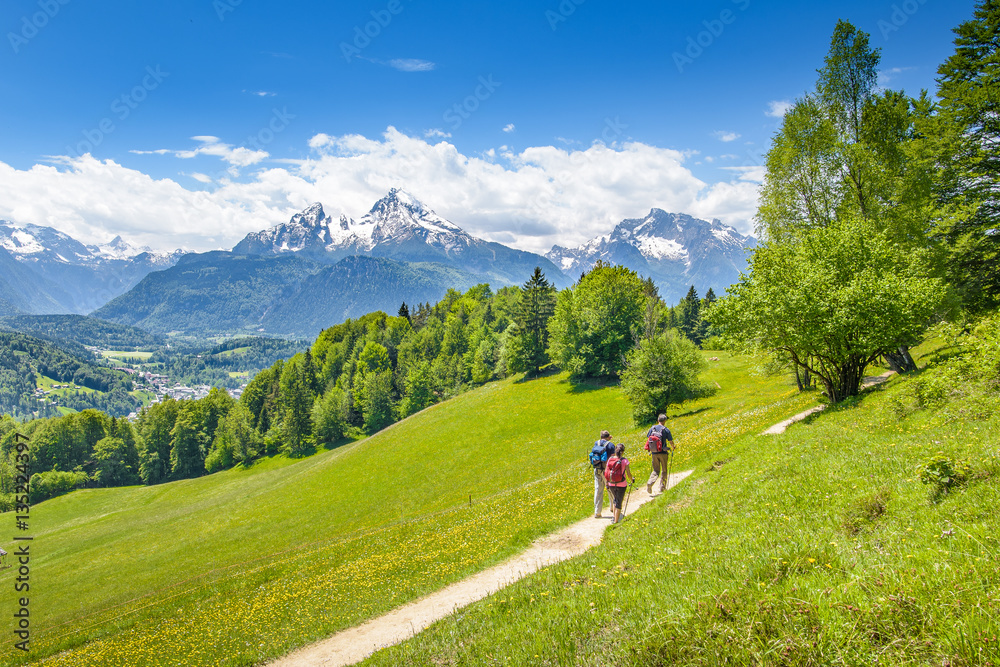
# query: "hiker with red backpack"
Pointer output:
{"type": "Point", "coordinates": [615, 472]}
{"type": "Point", "coordinates": [660, 444]}
{"type": "Point", "coordinates": [602, 450]}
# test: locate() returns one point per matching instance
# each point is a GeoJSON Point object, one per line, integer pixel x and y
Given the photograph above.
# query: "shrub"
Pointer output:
{"type": "Point", "coordinates": [660, 371]}
{"type": "Point", "coordinates": [943, 474]}
{"type": "Point", "coordinates": [45, 485]}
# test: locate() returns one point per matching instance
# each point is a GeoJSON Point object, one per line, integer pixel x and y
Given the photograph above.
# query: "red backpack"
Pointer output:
{"type": "Point", "coordinates": [656, 442]}
{"type": "Point", "coordinates": [615, 470]}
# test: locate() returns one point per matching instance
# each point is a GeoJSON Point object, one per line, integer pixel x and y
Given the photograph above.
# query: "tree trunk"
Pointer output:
{"type": "Point", "coordinates": [798, 379]}
{"type": "Point", "coordinates": [900, 360]}
{"type": "Point", "coordinates": [847, 381]}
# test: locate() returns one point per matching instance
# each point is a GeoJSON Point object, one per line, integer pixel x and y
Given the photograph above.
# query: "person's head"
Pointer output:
{"type": "Point", "coordinates": [662, 418]}
{"type": "Point", "coordinates": [605, 435]}
{"type": "Point", "coordinates": [620, 450]}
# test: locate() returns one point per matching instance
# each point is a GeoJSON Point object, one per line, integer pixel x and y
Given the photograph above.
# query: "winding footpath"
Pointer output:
{"type": "Point", "coordinates": [355, 644]}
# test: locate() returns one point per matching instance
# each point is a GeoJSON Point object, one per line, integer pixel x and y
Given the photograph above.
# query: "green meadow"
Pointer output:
{"type": "Point", "coordinates": [820, 546]}
{"type": "Point", "coordinates": [245, 565]}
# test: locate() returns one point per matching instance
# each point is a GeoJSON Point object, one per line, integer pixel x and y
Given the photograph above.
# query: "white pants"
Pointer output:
{"type": "Point", "coordinates": [598, 491]}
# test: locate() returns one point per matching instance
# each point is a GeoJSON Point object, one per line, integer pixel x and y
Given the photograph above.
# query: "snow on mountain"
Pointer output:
{"type": "Point", "coordinates": [78, 277]}
{"type": "Point", "coordinates": [118, 248]}
{"type": "Point", "coordinates": [396, 218]}
{"type": "Point", "coordinates": [399, 217]}
{"type": "Point", "coordinates": [308, 230]}
{"type": "Point", "coordinates": [33, 242]}
{"type": "Point", "coordinates": [397, 227]}
{"type": "Point", "coordinates": [675, 249]}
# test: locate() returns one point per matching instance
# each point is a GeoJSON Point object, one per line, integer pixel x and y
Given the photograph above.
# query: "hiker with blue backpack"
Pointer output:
{"type": "Point", "coordinates": [602, 450]}
{"type": "Point", "coordinates": [615, 471]}
{"type": "Point", "coordinates": [660, 444]}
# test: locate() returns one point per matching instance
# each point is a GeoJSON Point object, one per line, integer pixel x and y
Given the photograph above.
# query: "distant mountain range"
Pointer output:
{"type": "Point", "coordinates": [674, 249]}
{"type": "Point", "coordinates": [44, 271]}
{"type": "Point", "coordinates": [314, 270]}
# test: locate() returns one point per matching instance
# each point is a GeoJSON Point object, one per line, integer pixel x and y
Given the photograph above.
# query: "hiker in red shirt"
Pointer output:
{"type": "Point", "coordinates": [660, 444]}
{"type": "Point", "coordinates": [615, 472]}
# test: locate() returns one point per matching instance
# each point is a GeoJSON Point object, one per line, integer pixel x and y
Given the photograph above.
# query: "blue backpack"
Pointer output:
{"type": "Point", "coordinates": [599, 454]}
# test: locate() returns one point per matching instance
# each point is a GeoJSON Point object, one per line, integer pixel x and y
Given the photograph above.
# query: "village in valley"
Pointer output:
{"type": "Point", "coordinates": [150, 387]}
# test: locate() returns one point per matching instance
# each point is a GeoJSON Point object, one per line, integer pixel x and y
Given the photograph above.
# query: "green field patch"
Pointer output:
{"type": "Point", "coordinates": [58, 388]}
{"type": "Point", "coordinates": [238, 351]}
{"type": "Point", "coordinates": [126, 355]}
{"type": "Point", "coordinates": [239, 374]}
{"type": "Point", "coordinates": [143, 395]}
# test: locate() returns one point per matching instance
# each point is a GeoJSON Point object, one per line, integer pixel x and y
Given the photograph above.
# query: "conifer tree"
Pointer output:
{"type": "Point", "coordinates": [537, 305]}
{"type": "Point", "coordinates": [967, 137]}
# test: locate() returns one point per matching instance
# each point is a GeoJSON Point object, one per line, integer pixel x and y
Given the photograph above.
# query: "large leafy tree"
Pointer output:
{"type": "Point", "coordinates": [842, 155]}
{"type": "Point", "coordinates": [117, 462]}
{"type": "Point", "coordinates": [966, 132]}
{"type": "Point", "coordinates": [155, 426]}
{"type": "Point", "coordinates": [187, 442]}
{"type": "Point", "coordinates": [831, 302]}
{"type": "Point", "coordinates": [377, 406]}
{"type": "Point", "coordinates": [597, 322]}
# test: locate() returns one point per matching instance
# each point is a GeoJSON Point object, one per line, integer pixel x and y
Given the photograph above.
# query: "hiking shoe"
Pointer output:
{"type": "Point", "coordinates": [649, 489]}
{"type": "Point", "coordinates": [597, 516]}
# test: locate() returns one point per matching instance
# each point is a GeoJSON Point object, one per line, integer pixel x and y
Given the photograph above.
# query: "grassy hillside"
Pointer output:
{"type": "Point", "coordinates": [817, 547]}
{"type": "Point", "coordinates": [247, 564]}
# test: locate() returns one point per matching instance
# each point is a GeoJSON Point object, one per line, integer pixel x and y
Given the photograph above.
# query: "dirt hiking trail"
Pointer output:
{"type": "Point", "coordinates": [355, 644]}
{"type": "Point", "coordinates": [869, 381]}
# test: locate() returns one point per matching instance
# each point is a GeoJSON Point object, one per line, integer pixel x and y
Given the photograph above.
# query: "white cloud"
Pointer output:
{"type": "Point", "coordinates": [437, 133]}
{"type": "Point", "coordinates": [320, 140]}
{"type": "Point", "coordinates": [777, 108]}
{"type": "Point", "coordinates": [529, 200]}
{"type": "Point", "coordinates": [752, 173]}
{"type": "Point", "coordinates": [238, 156]}
{"type": "Point", "coordinates": [724, 136]}
{"type": "Point", "coordinates": [885, 76]}
{"type": "Point", "coordinates": [508, 128]}
{"type": "Point", "coordinates": [260, 93]}
{"type": "Point", "coordinates": [411, 65]}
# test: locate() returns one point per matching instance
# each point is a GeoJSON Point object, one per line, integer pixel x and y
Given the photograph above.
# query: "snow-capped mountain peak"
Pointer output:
{"type": "Point", "coordinates": [118, 248]}
{"type": "Point", "coordinates": [312, 217]}
{"type": "Point", "coordinates": [399, 216]}
{"type": "Point", "coordinates": [675, 249]}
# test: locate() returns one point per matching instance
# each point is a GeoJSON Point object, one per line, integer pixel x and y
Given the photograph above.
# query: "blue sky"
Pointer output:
{"type": "Point", "coordinates": [191, 123]}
